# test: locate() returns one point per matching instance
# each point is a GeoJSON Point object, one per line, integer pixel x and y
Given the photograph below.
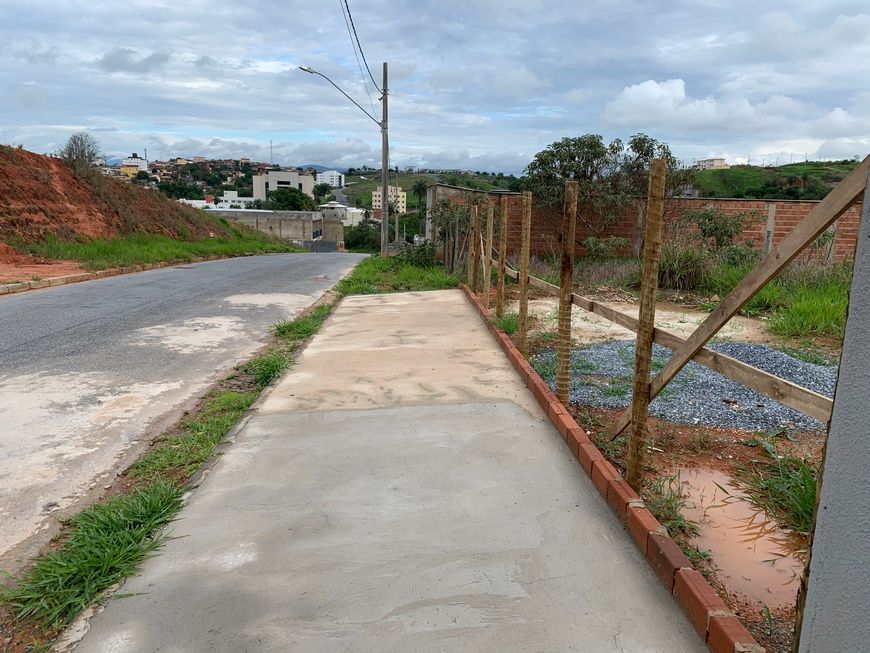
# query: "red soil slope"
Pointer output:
{"type": "Point", "coordinates": [40, 195]}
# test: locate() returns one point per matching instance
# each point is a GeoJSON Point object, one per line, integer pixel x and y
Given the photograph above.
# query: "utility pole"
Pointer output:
{"type": "Point", "coordinates": [385, 172]}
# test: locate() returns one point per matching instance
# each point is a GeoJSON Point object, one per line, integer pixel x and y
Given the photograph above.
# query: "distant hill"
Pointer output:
{"type": "Point", "coordinates": [42, 197]}
{"type": "Point", "coordinates": [316, 166]}
{"type": "Point", "coordinates": [811, 180]}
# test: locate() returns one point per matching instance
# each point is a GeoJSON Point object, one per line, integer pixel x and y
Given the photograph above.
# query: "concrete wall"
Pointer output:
{"type": "Point", "coordinates": [838, 588]}
{"type": "Point", "coordinates": [295, 226]}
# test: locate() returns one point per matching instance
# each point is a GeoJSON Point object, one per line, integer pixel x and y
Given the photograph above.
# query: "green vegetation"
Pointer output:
{"type": "Point", "coordinates": [808, 355]}
{"type": "Point", "coordinates": [305, 326]}
{"type": "Point", "coordinates": [181, 452]}
{"type": "Point", "coordinates": [665, 501]}
{"type": "Point", "coordinates": [104, 544]}
{"type": "Point", "coordinates": [509, 322]}
{"type": "Point", "coordinates": [147, 248]}
{"type": "Point", "coordinates": [384, 275]}
{"type": "Point", "coordinates": [799, 181]}
{"type": "Point", "coordinates": [266, 367]}
{"type": "Point", "coordinates": [785, 487]}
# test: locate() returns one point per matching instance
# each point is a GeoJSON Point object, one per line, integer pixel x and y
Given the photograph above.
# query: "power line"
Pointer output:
{"type": "Point", "coordinates": [349, 15]}
{"type": "Point", "coordinates": [358, 64]}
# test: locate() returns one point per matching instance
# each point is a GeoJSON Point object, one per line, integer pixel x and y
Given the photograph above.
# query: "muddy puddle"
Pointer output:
{"type": "Point", "coordinates": [754, 557]}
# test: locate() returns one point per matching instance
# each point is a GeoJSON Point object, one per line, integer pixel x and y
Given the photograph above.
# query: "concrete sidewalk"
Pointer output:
{"type": "Point", "coordinates": [399, 490]}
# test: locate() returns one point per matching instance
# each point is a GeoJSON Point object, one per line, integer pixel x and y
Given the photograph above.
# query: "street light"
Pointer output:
{"type": "Point", "coordinates": [385, 153]}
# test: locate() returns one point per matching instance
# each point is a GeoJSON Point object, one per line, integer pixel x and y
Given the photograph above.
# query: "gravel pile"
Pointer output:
{"type": "Point", "coordinates": [601, 376]}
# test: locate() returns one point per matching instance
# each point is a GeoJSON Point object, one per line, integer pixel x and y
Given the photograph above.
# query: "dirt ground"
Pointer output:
{"type": "Point", "coordinates": [19, 267]}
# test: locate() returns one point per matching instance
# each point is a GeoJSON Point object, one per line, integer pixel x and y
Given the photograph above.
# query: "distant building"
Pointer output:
{"type": "Point", "coordinates": [332, 177]}
{"type": "Point", "coordinates": [133, 165]}
{"type": "Point", "coordinates": [199, 159]}
{"type": "Point", "coordinates": [397, 197]}
{"type": "Point", "coordinates": [244, 161]}
{"type": "Point", "coordinates": [711, 164]}
{"type": "Point", "coordinates": [275, 179]}
{"type": "Point", "coordinates": [350, 217]}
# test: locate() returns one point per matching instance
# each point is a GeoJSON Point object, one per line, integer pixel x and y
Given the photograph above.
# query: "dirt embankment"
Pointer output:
{"type": "Point", "coordinates": [41, 196]}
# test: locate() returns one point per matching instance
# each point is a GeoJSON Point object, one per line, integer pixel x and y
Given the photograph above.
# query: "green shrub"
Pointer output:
{"type": "Point", "coordinates": [608, 247]}
{"type": "Point", "coordinates": [422, 255]}
{"type": "Point", "coordinates": [684, 266]}
{"type": "Point", "coordinates": [717, 226]}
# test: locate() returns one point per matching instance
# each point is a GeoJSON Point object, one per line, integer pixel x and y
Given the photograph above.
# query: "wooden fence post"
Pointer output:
{"type": "Point", "coordinates": [649, 284]}
{"type": "Point", "coordinates": [472, 249]}
{"type": "Point", "coordinates": [523, 322]}
{"type": "Point", "coordinates": [566, 291]}
{"type": "Point", "coordinates": [475, 219]}
{"type": "Point", "coordinates": [487, 255]}
{"type": "Point", "coordinates": [770, 227]}
{"type": "Point", "coordinates": [502, 246]}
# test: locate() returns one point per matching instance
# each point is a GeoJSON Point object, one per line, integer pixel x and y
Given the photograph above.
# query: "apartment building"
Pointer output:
{"type": "Point", "coordinates": [397, 197]}
{"type": "Point", "coordinates": [332, 177]}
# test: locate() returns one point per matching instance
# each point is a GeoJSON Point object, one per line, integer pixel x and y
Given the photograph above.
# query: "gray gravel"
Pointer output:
{"type": "Point", "coordinates": [601, 376]}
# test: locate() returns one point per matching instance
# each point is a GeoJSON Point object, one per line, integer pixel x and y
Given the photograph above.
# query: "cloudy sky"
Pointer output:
{"type": "Point", "coordinates": [481, 84]}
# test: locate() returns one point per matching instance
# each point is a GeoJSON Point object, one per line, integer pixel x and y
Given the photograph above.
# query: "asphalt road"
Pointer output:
{"type": "Point", "coordinates": [88, 370]}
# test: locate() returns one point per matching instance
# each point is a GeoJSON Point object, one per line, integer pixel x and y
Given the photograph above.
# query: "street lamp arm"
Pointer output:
{"type": "Point", "coordinates": [308, 69]}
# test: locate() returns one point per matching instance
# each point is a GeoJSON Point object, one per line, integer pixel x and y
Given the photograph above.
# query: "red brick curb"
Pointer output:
{"type": "Point", "coordinates": [21, 286]}
{"type": "Point", "coordinates": [720, 629]}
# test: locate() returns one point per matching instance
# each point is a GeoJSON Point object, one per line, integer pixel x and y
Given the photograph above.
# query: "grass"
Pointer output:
{"type": "Point", "coordinates": [509, 322]}
{"type": "Point", "coordinates": [146, 248]}
{"type": "Point", "coordinates": [807, 355]}
{"type": "Point", "coordinates": [183, 452]}
{"type": "Point", "coordinates": [303, 327]}
{"type": "Point", "coordinates": [384, 275]}
{"type": "Point", "coordinates": [665, 501]}
{"type": "Point", "coordinates": [785, 488]}
{"type": "Point", "coordinates": [104, 545]}
{"type": "Point", "coordinates": [266, 367]}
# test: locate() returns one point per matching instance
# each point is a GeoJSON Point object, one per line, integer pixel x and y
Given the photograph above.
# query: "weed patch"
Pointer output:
{"type": "Point", "coordinates": [383, 275]}
{"type": "Point", "coordinates": [146, 248]}
{"type": "Point", "coordinates": [785, 488]}
{"type": "Point", "coordinates": [509, 322]}
{"type": "Point", "coordinates": [105, 544]}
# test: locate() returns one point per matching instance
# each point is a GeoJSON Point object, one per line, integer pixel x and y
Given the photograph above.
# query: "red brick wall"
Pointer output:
{"type": "Point", "coordinates": [546, 223]}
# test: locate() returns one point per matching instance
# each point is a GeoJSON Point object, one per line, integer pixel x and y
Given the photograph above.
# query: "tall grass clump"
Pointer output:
{"type": "Point", "coordinates": [786, 488]}
{"type": "Point", "coordinates": [305, 326]}
{"type": "Point", "coordinates": [105, 545]}
{"type": "Point", "coordinates": [509, 322]}
{"type": "Point", "coordinates": [684, 266]}
{"type": "Point", "coordinates": [266, 367]}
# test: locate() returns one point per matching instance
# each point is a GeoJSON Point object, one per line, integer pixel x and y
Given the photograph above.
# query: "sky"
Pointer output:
{"type": "Point", "coordinates": [474, 84]}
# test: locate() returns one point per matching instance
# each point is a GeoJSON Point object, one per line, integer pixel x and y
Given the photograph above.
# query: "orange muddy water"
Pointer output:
{"type": "Point", "coordinates": [754, 557]}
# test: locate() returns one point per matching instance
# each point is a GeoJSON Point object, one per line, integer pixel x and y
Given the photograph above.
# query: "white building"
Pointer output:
{"type": "Point", "coordinates": [275, 179]}
{"type": "Point", "coordinates": [349, 216]}
{"type": "Point", "coordinates": [332, 177]}
{"type": "Point", "coordinates": [711, 164]}
{"type": "Point", "coordinates": [135, 161]}
{"type": "Point", "coordinates": [397, 197]}
{"type": "Point", "coordinates": [232, 197]}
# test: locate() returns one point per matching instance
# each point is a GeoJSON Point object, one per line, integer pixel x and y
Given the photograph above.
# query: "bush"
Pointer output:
{"type": "Point", "coordinates": [421, 256]}
{"type": "Point", "coordinates": [365, 236]}
{"type": "Point", "coordinates": [720, 227]}
{"type": "Point", "coordinates": [684, 266]}
{"type": "Point", "coordinates": [608, 247]}
{"type": "Point", "coordinates": [742, 255]}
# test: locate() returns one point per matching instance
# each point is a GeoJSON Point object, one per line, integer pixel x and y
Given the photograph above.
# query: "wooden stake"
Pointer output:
{"type": "Point", "coordinates": [472, 248]}
{"type": "Point", "coordinates": [566, 291]}
{"type": "Point", "coordinates": [820, 218]}
{"type": "Point", "coordinates": [523, 322]}
{"type": "Point", "coordinates": [502, 246]}
{"type": "Point", "coordinates": [475, 251]}
{"type": "Point", "coordinates": [487, 255]}
{"type": "Point", "coordinates": [649, 284]}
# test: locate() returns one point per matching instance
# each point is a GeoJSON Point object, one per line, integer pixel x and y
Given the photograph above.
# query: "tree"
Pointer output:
{"type": "Point", "coordinates": [321, 191]}
{"type": "Point", "coordinates": [419, 190]}
{"type": "Point", "coordinates": [142, 175]}
{"type": "Point", "coordinates": [81, 153]}
{"type": "Point", "coordinates": [290, 199]}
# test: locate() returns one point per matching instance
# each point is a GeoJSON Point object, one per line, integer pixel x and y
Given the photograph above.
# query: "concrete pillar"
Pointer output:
{"type": "Point", "coordinates": [836, 599]}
